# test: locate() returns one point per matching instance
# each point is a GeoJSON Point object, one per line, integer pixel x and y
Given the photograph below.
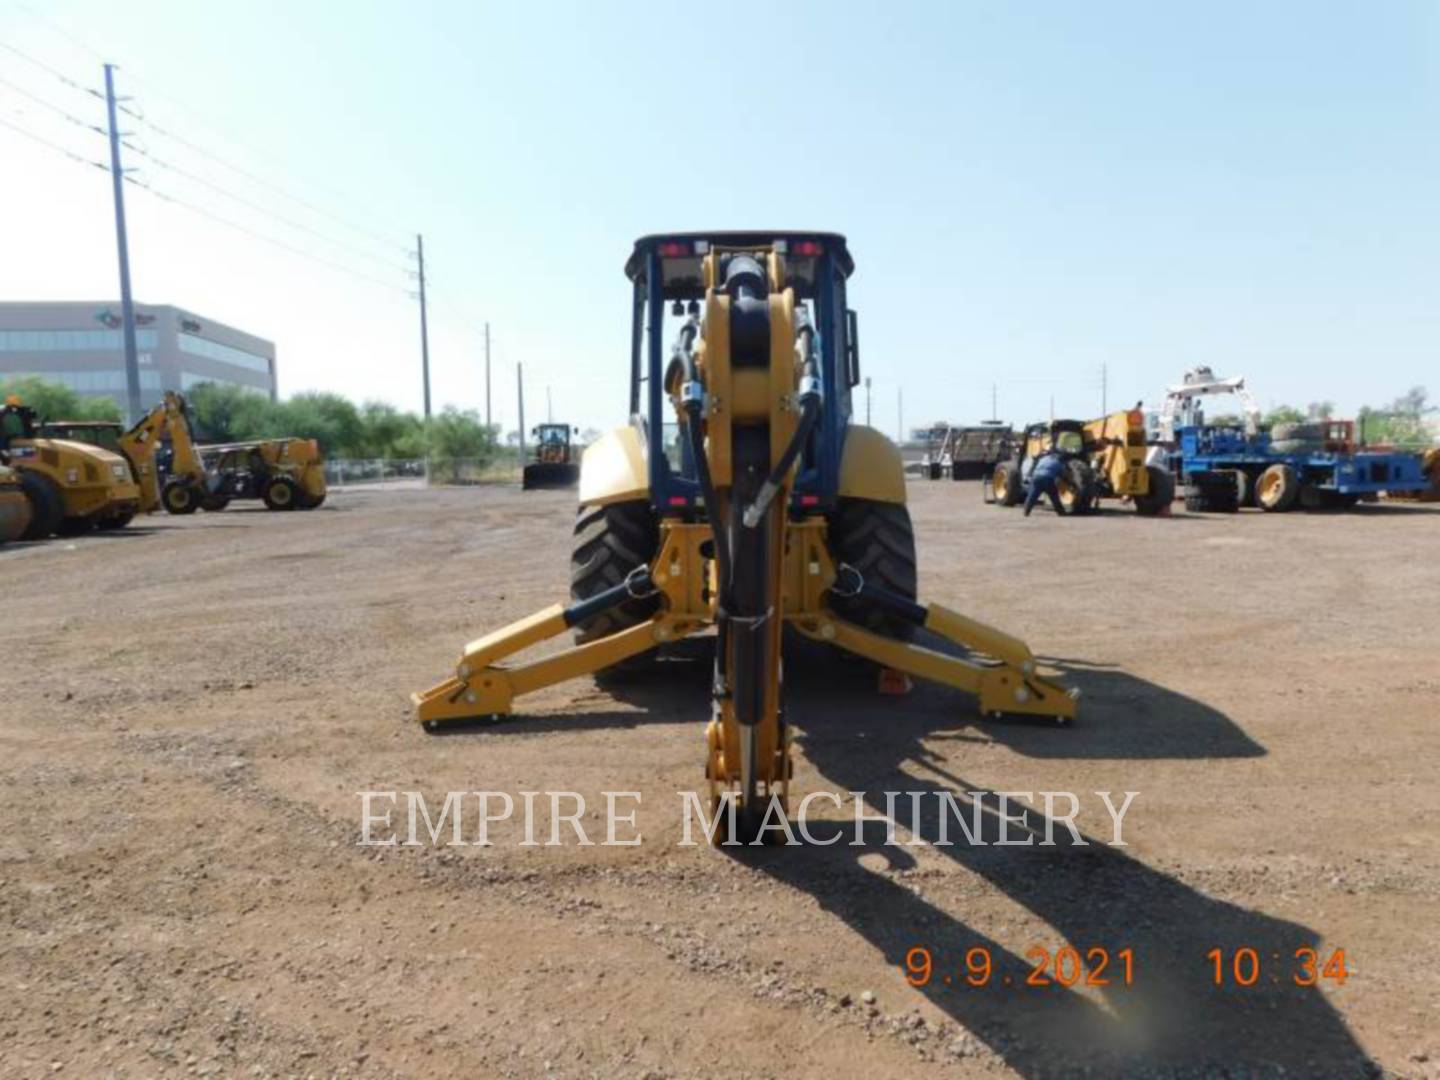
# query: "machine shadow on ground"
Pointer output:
{"type": "Point", "coordinates": [1172, 1017]}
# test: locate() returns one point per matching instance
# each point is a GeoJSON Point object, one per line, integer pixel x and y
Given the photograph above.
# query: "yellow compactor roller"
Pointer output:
{"type": "Point", "coordinates": [761, 506]}
{"type": "Point", "coordinates": [15, 510]}
{"type": "Point", "coordinates": [71, 487]}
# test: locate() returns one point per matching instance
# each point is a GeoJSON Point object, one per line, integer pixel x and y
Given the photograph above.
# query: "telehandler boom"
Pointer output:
{"type": "Point", "coordinates": [769, 509]}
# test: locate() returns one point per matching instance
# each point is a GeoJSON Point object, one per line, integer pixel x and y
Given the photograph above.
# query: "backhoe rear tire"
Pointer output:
{"type": "Point", "coordinates": [877, 539]}
{"type": "Point", "coordinates": [47, 506]}
{"type": "Point", "coordinates": [610, 542]}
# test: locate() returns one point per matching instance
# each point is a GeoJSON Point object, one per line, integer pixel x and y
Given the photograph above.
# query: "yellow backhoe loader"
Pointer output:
{"type": "Point", "coordinates": [186, 485]}
{"type": "Point", "coordinates": [71, 487]}
{"type": "Point", "coordinates": [768, 508]}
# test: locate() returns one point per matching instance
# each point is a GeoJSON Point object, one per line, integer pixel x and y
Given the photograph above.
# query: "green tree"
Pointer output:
{"type": "Point", "coordinates": [55, 401]}
{"type": "Point", "coordinates": [230, 414]}
{"type": "Point", "coordinates": [1402, 422]}
{"type": "Point", "coordinates": [389, 433]}
{"type": "Point", "coordinates": [456, 434]}
{"type": "Point", "coordinates": [329, 418]}
{"type": "Point", "coordinates": [1284, 414]}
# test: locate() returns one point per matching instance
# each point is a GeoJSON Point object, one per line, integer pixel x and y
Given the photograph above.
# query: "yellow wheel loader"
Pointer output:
{"type": "Point", "coordinates": [15, 512]}
{"type": "Point", "coordinates": [71, 487]}
{"type": "Point", "coordinates": [554, 465]}
{"type": "Point", "coordinates": [763, 506]}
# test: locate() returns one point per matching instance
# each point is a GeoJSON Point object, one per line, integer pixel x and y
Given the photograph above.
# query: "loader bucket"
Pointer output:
{"type": "Point", "coordinates": [545, 474]}
{"type": "Point", "coordinates": [14, 513]}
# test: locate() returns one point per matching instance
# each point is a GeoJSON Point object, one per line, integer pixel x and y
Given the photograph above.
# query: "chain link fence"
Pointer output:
{"type": "Point", "coordinates": [400, 473]}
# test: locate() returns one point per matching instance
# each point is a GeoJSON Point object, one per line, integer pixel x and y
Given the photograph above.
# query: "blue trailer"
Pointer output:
{"type": "Point", "coordinates": [1224, 468]}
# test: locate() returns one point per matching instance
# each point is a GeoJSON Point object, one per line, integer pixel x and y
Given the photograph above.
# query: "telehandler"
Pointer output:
{"type": "Point", "coordinates": [1104, 459]}
{"type": "Point", "coordinates": [768, 508]}
{"type": "Point", "coordinates": [285, 473]}
{"type": "Point", "coordinates": [71, 487]}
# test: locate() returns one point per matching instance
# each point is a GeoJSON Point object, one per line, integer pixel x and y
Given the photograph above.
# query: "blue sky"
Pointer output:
{"type": "Point", "coordinates": [1030, 190]}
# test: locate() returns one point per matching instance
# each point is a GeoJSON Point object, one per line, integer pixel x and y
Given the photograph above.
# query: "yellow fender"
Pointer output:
{"type": "Point", "coordinates": [871, 467]}
{"type": "Point", "coordinates": [612, 469]}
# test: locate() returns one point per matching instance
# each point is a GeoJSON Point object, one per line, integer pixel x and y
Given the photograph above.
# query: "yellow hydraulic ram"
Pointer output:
{"type": "Point", "coordinates": [745, 381]}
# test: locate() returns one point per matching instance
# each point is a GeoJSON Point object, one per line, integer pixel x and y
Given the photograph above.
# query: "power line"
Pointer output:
{"type": "Point", "coordinates": [257, 179]}
{"type": "Point", "coordinates": [53, 146]}
{"type": "Point", "coordinates": [184, 107]}
{"type": "Point", "coordinates": [291, 222]}
{"type": "Point", "coordinates": [59, 110]}
{"type": "Point", "coordinates": [56, 72]}
{"type": "Point", "coordinates": [262, 236]}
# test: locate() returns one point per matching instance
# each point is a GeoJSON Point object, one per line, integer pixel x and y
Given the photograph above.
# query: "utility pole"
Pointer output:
{"type": "Point", "coordinates": [424, 326]}
{"type": "Point", "coordinates": [995, 403]}
{"type": "Point", "coordinates": [122, 243]}
{"type": "Point", "coordinates": [867, 400]}
{"type": "Point", "coordinates": [900, 410]}
{"type": "Point", "coordinates": [487, 375]}
{"type": "Point", "coordinates": [549, 411]}
{"type": "Point", "coordinates": [520, 390]}
{"type": "Point", "coordinates": [1104, 390]}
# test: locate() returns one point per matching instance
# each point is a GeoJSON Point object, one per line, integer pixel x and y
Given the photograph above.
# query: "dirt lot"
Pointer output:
{"type": "Point", "coordinates": [191, 707]}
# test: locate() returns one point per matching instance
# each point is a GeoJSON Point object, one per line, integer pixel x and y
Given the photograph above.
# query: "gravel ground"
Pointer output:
{"type": "Point", "coordinates": [192, 706]}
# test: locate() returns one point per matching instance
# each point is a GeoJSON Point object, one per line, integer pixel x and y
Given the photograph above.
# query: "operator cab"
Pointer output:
{"type": "Point", "coordinates": [16, 422]}
{"type": "Point", "coordinates": [667, 272]}
{"type": "Point", "coordinates": [103, 433]}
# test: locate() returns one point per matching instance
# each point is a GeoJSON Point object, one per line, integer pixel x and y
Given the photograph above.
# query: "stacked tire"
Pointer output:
{"type": "Point", "coordinates": [1302, 438]}
{"type": "Point", "coordinates": [1214, 492]}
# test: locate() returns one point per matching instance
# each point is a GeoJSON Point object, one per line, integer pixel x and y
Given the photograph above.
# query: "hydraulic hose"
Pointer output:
{"type": "Point", "coordinates": [692, 401]}
{"type": "Point", "coordinates": [810, 399]}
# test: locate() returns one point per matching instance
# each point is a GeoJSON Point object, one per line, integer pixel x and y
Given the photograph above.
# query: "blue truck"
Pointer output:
{"type": "Point", "coordinates": [1313, 466]}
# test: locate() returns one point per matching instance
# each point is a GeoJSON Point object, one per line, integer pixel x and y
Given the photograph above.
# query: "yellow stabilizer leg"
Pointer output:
{"type": "Point", "coordinates": [479, 689]}
{"type": "Point", "coordinates": [1009, 685]}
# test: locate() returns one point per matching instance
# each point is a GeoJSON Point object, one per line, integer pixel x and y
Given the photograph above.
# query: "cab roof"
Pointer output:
{"type": "Point", "coordinates": [834, 243]}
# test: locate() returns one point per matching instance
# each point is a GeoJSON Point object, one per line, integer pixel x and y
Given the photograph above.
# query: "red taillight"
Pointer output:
{"type": "Point", "coordinates": [674, 249]}
{"type": "Point", "coordinates": [808, 248]}
{"type": "Point", "coordinates": [809, 500]}
{"type": "Point", "coordinates": [679, 500]}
